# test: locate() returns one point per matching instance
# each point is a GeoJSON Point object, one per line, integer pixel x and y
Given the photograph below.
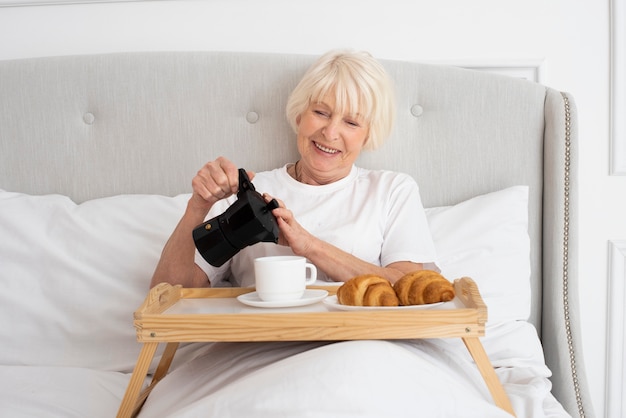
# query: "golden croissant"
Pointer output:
{"type": "Point", "coordinates": [423, 287]}
{"type": "Point", "coordinates": [367, 290]}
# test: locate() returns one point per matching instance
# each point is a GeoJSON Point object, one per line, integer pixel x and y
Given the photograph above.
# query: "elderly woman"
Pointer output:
{"type": "Point", "coordinates": [344, 219]}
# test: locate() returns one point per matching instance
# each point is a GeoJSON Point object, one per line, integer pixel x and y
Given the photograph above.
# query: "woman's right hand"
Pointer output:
{"type": "Point", "coordinates": [216, 180]}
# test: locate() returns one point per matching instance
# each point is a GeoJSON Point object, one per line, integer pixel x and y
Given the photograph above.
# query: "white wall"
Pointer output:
{"type": "Point", "coordinates": [569, 38]}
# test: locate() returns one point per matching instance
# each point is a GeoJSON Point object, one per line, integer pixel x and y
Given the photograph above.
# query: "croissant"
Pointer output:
{"type": "Point", "coordinates": [367, 290]}
{"type": "Point", "coordinates": [423, 287]}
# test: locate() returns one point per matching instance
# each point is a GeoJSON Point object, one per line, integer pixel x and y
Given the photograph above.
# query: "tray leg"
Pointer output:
{"type": "Point", "coordinates": [164, 364]}
{"type": "Point", "coordinates": [479, 355]}
{"type": "Point", "coordinates": [160, 372]}
{"type": "Point", "coordinates": [136, 381]}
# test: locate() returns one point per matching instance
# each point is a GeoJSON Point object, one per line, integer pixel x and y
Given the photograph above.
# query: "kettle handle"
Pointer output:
{"type": "Point", "coordinates": [244, 182]}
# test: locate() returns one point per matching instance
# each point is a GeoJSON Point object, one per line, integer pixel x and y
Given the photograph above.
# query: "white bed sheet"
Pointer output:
{"type": "Point", "coordinates": [433, 378]}
{"type": "Point", "coordinates": [71, 392]}
{"type": "Point", "coordinates": [60, 392]}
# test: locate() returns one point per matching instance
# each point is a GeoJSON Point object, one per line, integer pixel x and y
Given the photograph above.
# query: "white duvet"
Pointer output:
{"type": "Point", "coordinates": [416, 378]}
{"type": "Point", "coordinates": [413, 378]}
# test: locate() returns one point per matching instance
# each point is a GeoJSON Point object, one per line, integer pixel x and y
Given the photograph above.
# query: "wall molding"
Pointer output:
{"type": "Point", "coordinates": [618, 88]}
{"type": "Point", "coordinates": [529, 69]}
{"type": "Point", "coordinates": [616, 332]}
{"type": "Point", "coordinates": [21, 3]}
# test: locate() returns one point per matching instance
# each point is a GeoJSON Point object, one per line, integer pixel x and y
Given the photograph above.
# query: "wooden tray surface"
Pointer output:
{"type": "Point", "coordinates": [464, 317]}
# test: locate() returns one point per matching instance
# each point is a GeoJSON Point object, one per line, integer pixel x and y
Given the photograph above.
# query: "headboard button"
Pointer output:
{"type": "Point", "coordinates": [252, 117]}
{"type": "Point", "coordinates": [417, 110]}
{"type": "Point", "coordinates": [89, 118]}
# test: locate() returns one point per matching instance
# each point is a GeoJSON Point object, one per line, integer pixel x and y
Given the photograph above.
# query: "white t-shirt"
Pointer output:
{"type": "Point", "coordinates": [376, 216]}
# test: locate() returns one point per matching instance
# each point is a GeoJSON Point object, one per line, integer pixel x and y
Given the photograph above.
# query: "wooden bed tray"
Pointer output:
{"type": "Point", "coordinates": [309, 323]}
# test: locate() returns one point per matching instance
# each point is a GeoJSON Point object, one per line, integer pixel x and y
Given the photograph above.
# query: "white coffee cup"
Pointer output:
{"type": "Point", "coordinates": [280, 278]}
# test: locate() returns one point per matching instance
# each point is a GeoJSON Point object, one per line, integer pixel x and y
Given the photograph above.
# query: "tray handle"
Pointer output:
{"type": "Point", "coordinates": [160, 297]}
{"type": "Point", "coordinates": [467, 291]}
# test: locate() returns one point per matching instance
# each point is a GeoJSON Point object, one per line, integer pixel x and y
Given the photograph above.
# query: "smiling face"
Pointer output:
{"type": "Point", "coordinates": [330, 140]}
{"type": "Point", "coordinates": [343, 104]}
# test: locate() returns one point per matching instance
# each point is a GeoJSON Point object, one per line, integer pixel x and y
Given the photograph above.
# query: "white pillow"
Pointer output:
{"type": "Point", "coordinates": [72, 275]}
{"type": "Point", "coordinates": [486, 238]}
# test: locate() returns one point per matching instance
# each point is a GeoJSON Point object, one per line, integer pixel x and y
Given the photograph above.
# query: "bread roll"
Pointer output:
{"type": "Point", "coordinates": [367, 290]}
{"type": "Point", "coordinates": [423, 287]}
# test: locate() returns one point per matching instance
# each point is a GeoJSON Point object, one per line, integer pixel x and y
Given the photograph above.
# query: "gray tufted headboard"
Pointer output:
{"type": "Point", "coordinates": [94, 126]}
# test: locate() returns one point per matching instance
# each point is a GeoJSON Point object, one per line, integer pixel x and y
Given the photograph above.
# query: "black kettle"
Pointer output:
{"type": "Point", "coordinates": [247, 221]}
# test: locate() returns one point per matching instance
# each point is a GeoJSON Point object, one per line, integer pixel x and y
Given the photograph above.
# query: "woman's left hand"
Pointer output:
{"type": "Point", "coordinates": [292, 234]}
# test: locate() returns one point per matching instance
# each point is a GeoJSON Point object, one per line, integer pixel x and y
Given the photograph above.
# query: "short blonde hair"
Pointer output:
{"type": "Point", "coordinates": [360, 85]}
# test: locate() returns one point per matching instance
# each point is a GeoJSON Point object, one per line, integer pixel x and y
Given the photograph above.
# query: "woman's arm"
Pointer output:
{"type": "Point", "coordinates": [216, 180]}
{"type": "Point", "coordinates": [177, 265]}
{"type": "Point", "coordinates": [342, 266]}
{"type": "Point", "coordinates": [333, 261]}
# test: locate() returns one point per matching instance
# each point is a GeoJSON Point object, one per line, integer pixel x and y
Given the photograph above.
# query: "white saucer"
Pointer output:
{"type": "Point", "coordinates": [309, 297]}
{"type": "Point", "coordinates": [332, 302]}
